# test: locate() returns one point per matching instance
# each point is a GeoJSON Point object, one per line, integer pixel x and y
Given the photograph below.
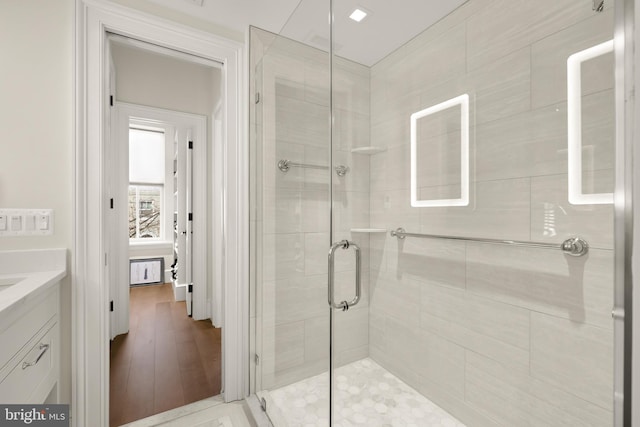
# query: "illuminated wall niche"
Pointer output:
{"type": "Point", "coordinates": [574, 122]}
{"type": "Point", "coordinates": [463, 102]}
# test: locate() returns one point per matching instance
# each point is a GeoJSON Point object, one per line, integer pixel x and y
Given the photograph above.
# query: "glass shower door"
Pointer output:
{"type": "Point", "coordinates": [417, 190]}
{"type": "Point", "coordinates": [291, 196]}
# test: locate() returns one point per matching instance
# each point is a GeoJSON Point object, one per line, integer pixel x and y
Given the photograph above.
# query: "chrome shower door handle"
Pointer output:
{"type": "Point", "coordinates": [343, 305]}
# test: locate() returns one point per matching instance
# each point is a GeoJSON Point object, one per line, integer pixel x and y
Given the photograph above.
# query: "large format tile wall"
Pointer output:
{"type": "Point", "coordinates": [292, 220]}
{"type": "Point", "coordinates": [497, 335]}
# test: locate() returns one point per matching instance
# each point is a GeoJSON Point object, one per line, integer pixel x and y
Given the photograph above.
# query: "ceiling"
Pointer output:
{"type": "Point", "coordinates": [388, 26]}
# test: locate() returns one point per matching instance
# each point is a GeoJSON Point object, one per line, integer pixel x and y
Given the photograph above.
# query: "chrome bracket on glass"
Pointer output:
{"type": "Point", "coordinates": [343, 305]}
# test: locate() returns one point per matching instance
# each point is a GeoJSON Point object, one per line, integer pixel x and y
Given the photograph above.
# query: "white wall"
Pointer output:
{"type": "Point", "coordinates": [182, 18]}
{"type": "Point", "coordinates": [36, 118]}
{"type": "Point", "coordinates": [156, 80]}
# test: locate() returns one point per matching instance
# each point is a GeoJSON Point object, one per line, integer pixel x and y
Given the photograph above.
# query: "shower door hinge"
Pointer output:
{"type": "Point", "coordinates": [257, 97]}
{"type": "Point", "coordinates": [257, 359]}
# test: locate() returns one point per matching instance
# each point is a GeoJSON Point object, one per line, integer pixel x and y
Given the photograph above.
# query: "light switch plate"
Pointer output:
{"type": "Point", "coordinates": [26, 222]}
{"type": "Point", "coordinates": [16, 222]}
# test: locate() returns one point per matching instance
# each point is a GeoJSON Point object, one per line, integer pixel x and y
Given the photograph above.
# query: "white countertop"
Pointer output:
{"type": "Point", "coordinates": [30, 273]}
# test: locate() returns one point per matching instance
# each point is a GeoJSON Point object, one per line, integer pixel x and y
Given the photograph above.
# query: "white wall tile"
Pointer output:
{"type": "Point", "coordinates": [544, 280]}
{"type": "Point", "coordinates": [553, 218]}
{"type": "Point", "coordinates": [397, 299]}
{"type": "Point", "coordinates": [528, 144]}
{"type": "Point", "coordinates": [575, 357]}
{"type": "Point", "coordinates": [283, 256]}
{"type": "Point", "coordinates": [535, 21]}
{"type": "Point", "coordinates": [431, 261]}
{"type": "Point", "coordinates": [515, 398]}
{"type": "Point", "coordinates": [493, 319]}
{"type": "Point", "coordinates": [549, 60]}
{"type": "Point", "coordinates": [497, 209]}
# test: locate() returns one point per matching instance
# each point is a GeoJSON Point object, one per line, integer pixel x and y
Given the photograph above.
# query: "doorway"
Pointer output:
{"type": "Point", "coordinates": [159, 204]}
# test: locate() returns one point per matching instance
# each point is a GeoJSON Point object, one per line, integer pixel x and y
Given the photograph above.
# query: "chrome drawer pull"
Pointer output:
{"type": "Point", "coordinates": [43, 350]}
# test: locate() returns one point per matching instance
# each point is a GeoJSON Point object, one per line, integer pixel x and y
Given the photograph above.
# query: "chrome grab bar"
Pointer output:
{"type": "Point", "coordinates": [573, 246]}
{"type": "Point", "coordinates": [343, 305]}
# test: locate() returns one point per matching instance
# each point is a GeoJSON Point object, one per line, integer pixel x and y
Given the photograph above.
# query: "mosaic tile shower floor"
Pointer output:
{"type": "Point", "coordinates": [367, 395]}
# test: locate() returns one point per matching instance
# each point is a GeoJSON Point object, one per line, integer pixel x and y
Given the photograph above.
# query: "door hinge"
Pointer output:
{"type": "Point", "coordinates": [190, 145]}
{"type": "Point", "coordinates": [110, 305]}
{"type": "Point", "coordinates": [190, 289]}
{"type": "Point", "coordinates": [111, 100]}
{"type": "Point", "coordinates": [190, 216]}
{"type": "Point", "coordinates": [257, 97]}
{"type": "Point", "coordinates": [111, 203]}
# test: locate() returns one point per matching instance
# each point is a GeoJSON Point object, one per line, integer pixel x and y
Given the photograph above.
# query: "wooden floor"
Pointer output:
{"type": "Point", "coordinates": [166, 360]}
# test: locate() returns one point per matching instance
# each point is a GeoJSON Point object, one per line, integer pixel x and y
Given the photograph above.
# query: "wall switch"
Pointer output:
{"type": "Point", "coordinates": [16, 222]}
{"type": "Point", "coordinates": [43, 222]}
{"type": "Point", "coordinates": [29, 222]}
{"type": "Point", "coordinates": [26, 222]}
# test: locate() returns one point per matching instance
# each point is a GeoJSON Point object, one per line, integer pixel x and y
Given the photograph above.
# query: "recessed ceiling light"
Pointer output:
{"type": "Point", "coordinates": [358, 15]}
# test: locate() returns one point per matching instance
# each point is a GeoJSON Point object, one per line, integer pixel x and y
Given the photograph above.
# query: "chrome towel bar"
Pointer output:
{"type": "Point", "coordinates": [284, 165]}
{"type": "Point", "coordinates": [574, 246]}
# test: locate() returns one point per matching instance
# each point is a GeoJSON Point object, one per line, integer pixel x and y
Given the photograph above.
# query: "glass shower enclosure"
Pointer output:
{"type": "Point", "coordinates": [431, 214]}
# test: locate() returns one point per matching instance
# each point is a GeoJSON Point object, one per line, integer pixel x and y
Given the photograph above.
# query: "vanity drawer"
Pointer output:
{"type": "Point", "coordinates": [33, 376]}
{"type": "Point", "coordinates": [19, 332]}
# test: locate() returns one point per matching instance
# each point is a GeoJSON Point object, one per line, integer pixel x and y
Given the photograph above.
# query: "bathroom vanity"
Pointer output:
{"type": "Point", "coordinates": [29, 325]}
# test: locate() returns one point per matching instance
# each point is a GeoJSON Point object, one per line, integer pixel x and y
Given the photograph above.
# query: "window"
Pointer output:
{"type": "Point", "coordinates": [146, 183]}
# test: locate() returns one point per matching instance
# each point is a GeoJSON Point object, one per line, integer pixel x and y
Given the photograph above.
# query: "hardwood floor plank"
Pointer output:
{"type": "Point", "coordinates": [168, 392]}
{"type": "Point", "coordinates": [141, 383]}
{"type": "Point", "coordinates": [166, 360]}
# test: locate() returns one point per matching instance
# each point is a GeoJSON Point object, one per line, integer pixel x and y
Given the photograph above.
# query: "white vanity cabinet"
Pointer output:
{"type": "Point", "coordinates": [30, 334]}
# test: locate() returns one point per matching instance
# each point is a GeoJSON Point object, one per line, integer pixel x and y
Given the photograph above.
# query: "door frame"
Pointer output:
{"type": "Point", "coordinates": [90, 295]}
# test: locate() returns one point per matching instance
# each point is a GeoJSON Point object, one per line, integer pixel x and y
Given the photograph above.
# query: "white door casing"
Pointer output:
{"type": "Point", "coordinates": [94, 18]}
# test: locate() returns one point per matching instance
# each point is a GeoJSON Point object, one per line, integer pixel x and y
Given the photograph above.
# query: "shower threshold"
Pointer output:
{"type": "Point", "coordinates": [366, 394]}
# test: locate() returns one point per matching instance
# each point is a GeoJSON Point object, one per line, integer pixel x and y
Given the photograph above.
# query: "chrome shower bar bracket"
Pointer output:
{"type": "Point", "coordinates": [573, 246]}
{"type": "Point", "coordinates": [343, 305]}
{"type": "Point", "coordinates": [284, 165]}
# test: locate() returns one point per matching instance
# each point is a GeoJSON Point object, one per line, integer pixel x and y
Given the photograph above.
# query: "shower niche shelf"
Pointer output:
{"type": "Point", "coordinates": [368, 150]}
{"type": "Point", "coordinates": [368, 230]}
